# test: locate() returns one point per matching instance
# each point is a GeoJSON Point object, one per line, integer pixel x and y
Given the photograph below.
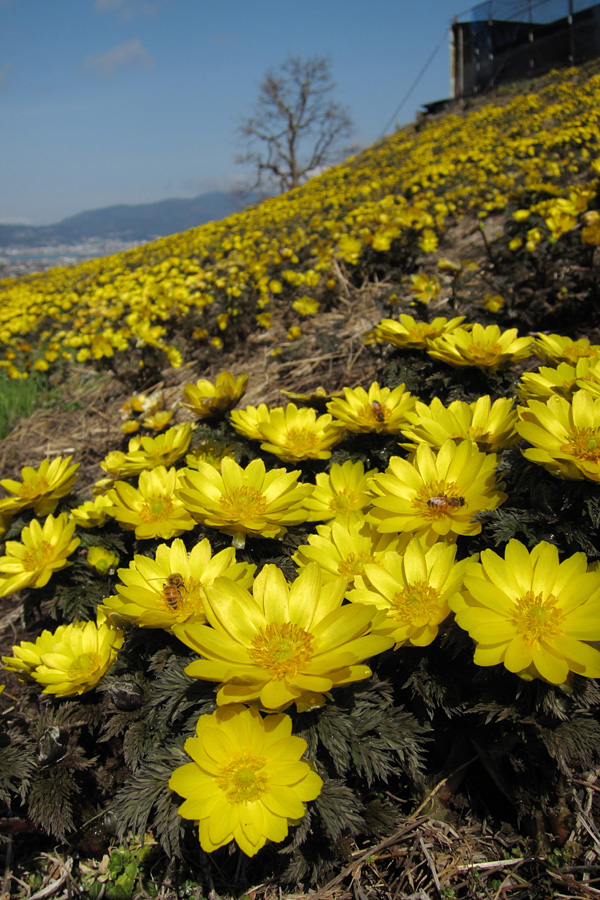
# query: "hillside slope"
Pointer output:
{"type": "Point", "coordinates": [395, 575]}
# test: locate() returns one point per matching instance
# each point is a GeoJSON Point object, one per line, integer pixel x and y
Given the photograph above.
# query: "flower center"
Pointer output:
{"type": "Point", "coordinates": [282, 649]}
{"type": "Point", "coordinates": [33, 486]}
{"type": "Point", "coordinates": [241, 778]}
{"type": "Point", "coordinates": [354, 563]}
{"type": "Point", "coordinates": [83, 666]}
{"type": "Point", "coordinates": [374, 413]}
{"type": "Point", "coordinates": [346, 501]}
{"type": "Point", "coordinates": [437, 499]}
{"type": "Point", "coordinates": [584, 443]}
{"type": "Point", "coordinates": [577, 350]}
{"type": "Point", "coordinates": [566, 389]}
{"type": "Point", "coordinates": [193, 597]}
{"type": "Point", "coordinates": [416, 603]}
{"type": "Point", "coordinates": [37, 557]}
{"type": "Point", "coordinates": [486, 354]}
{"type": "Point", "coordinates": [156, 509]}
{"type": "Point", "coordinates": [423, 330]}
{"type": "Point", "coordinates": [479, 435]}
{"type": "Point", "coordinates": [243, 503]}
{"type": "Point", "coordinates": [300, 439]}
{"type": "Point", "coordinates": [159, 457]}
{"type": "Point", "coordinates": [536, 618]}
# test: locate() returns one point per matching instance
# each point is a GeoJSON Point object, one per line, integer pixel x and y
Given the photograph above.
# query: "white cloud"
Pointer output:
{"type": "Point", "coordinates": [126, 9]}
{"type": "Point", "coordinates": [130, 55]}
{"type": "Point", "coordinates": [4, 75]}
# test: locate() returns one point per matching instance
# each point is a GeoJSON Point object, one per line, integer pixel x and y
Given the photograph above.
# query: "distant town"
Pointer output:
{"type": "Point", "coordinates": [17, 260]}
{"type": "Point", "coordinates": [100, 232]}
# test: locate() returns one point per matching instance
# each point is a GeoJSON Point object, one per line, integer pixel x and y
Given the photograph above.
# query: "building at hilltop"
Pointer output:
{"type": "Point", "coordinates": [506, 40]}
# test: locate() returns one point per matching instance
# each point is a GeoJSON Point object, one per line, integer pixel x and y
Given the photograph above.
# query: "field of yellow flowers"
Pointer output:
{"type": "Point", "coordinates": [302, 594]}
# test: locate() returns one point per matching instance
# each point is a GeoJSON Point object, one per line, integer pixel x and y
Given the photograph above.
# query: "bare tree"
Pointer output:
{"type": "Point", "coordinates": [296, 128]}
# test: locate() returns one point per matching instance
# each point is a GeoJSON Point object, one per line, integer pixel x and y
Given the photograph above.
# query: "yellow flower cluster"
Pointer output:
{"type": "Point", "coordinates": [385, 557]}
{"type": "Point", "coordinates": [188, 291]}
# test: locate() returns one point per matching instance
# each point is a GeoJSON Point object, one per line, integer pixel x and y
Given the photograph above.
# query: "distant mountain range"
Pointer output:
{"type": "Point", "coordinates": [141, 222]}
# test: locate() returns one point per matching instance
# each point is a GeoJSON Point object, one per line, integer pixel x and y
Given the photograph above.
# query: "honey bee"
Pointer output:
{"type": "Point", "coordinates": [378, 411]}
{"type": "Point", "coordinates": [442, 502]}
{"type": "Point", "coordinates": [173, 590]}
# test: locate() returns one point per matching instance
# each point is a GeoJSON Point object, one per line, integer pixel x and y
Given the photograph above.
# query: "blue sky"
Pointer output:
{"type": "Point", "coordinates": [133, 101]}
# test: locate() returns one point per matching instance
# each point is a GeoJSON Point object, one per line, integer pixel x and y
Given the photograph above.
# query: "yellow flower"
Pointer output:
{"type": "Point", "coordinates": [149, 452]}
{"type": "Point", "coordinates": [534, 236]}
{"type": "Point", "coordinates": [532, 613]}
{"type": "Point", "coordinates": [345, 490]}
{"type": "Point", "coordinates": [174, 357]}
{"type": "Point", "coordinates": [143, 403]}
{"type": "Point", "coordinates": [72, 660]}
{"type": "Point", "coordinates": [409, 334]}
{"type": "Point", "coordinates": [414, 588]}
{"type": "Point", "coordinates": [43, 550]}
{"type": "Point", "coordinates": [344, 547]}
{"type": "Point", "coordinates": [490, 425]}
{"type": "Point", "coordinates": [436, 494]}
{"type": "Point", "coordinates": [294, 333]}
{"type": "Point", "coordinates": [587, 373]}
{"type": "Point", "coordinates": [566, 436]}
{"type": "Point", "coordinates": [380, 409]}
{"type": "Point", "coordinates": [449, 265]}
{"type": "Point", "coordinates": [153, 509]}
{"type": "Point", "coordinates": [247, 421]}
{"type": "Point", "coordinates": [130, 426]}
{"type": "Point", "coordinates": [293, 433]}
{"type": "Point", "coordinates": [590, 233]}
{"type": "Point", "coordinates": [41, 488]}
{"type": "Point", "coordinates": [493, 302]}
{"type": "Point", "coordinates": [550, 381]}
{"type": "Point", "coordinates": [317, 398]}
{"type": "Point", "coordinates": [101, 559]}
{"type": "Point", "coordinates": [555, 348]}
{"type": "Point", "coordinates": [91, 513]}
{"type": "Point", "coordinates": [246, 782]}
{"type": "Point", "coordinates": [27, 655]}
{"type": "Point", "coordinates": [484, 346]}
{"type": "Point", "coordinates": [425, 287]}
{"type": "Point", "coordinates": [158, 420]}
{"type": "Point", "coordinates": [171, 589]}
{"type": "Point", "coordinates": [559, 222]}
{"type": "Point", "coordinates": [284, 642]}
{"type": "Point", "coordinates": [242, 501]}
{"type": "Point", "coordinates": [211, 452]}
{"type": "Point", "coordinates": [428, 241]}
{"type": "Point", "coordinates": [306, 306]}
{"type": "Point", "coordinates": [206, 399]}
{"type": "Point", "coordinates": [264, 319]}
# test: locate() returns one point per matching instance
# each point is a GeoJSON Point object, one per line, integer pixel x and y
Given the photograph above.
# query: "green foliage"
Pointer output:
{"type": "Point", "coordinates": [19, 398]}
{"type": "Point", "coordinates": [365, 734]}
{"type": "Point", "coordinates": [17, 763]}
{"type": "Point", "coordinates": [146, 801]}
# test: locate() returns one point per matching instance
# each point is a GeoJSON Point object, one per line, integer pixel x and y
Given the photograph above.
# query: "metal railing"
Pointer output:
{"type": "Point", "coordinates": [505, 40]}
